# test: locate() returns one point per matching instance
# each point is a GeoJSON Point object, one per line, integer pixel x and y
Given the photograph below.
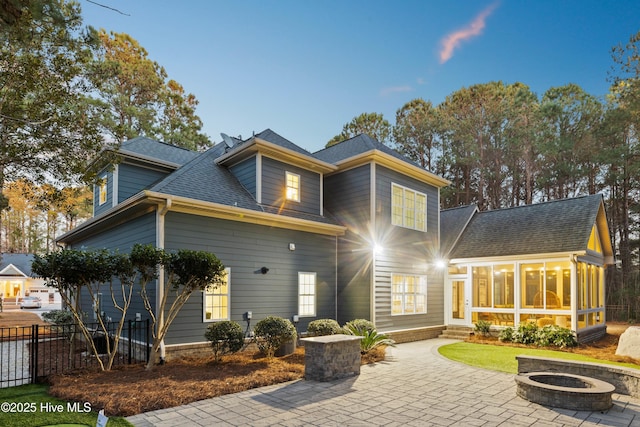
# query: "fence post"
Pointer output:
{"type": "Point", "coordinates": [34, 354]}
{"type": "Point", "coordinates": [129, 337]}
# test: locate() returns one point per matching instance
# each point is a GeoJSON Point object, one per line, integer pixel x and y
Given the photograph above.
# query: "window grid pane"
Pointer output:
{"type": "Point", "coordinates": [408, 208]}
{"type": "Point", "coordinates": [306, 294]}
{"type": "Point", "coordinates": [216, 301]}
{"type": "Point", "coordinates": [293, 186]}
{"type": "Point", "coordinates": [408, 294]}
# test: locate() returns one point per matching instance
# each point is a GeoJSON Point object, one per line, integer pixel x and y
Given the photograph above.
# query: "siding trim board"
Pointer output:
{"type": "Point", "coordinates": [216, 210]}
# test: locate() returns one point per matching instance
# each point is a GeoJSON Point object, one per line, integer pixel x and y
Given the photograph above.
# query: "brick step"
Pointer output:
{"type": "Point", "coordinates": [457, 332]}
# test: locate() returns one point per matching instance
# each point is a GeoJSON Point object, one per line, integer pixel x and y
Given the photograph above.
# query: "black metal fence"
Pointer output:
{"type": "Point", "coordinates": [28, 354]}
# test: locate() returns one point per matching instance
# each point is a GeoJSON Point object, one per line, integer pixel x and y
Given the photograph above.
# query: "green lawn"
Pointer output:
{"type": "Point", "coordinates": [30, 405]}
{"type": "Point", "coordinates": [503, 358]}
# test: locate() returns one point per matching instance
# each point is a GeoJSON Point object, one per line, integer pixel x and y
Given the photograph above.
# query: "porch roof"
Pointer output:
{"type": "Point", "coordinates": [560, 226]}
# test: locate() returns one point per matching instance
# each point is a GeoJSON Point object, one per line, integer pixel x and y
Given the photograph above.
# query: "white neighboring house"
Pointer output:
{"type": "Point", "coordinates": [17, 281]}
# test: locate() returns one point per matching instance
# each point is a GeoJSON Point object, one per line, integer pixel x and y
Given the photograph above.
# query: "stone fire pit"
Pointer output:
{"type": "Point", "coordinates": [565, 391]}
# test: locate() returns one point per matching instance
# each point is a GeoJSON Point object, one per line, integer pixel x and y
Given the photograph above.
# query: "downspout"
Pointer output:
{"type": "Point", "coordinates": [160, 216]}
{"type": "Point", "coordinates": [335, 282]}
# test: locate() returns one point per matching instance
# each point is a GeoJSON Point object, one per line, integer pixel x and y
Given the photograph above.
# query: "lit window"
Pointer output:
{"type": "Point", "coordinates": [408, 208]}
{"type": "Point", "coordinates": [408, 294]}
{"type": "Point", "coordinates": [216, 300]}
{"type": "Point", "coordinates": [102, 198]}
{"type": "Point", "coordinates": [293, 187]}
{"type": "Point", "coordinates": [306, 294]}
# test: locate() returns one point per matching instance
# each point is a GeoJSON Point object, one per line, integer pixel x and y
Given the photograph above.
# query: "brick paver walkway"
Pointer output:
{"type": "Point", "coordinates": [415, 387]}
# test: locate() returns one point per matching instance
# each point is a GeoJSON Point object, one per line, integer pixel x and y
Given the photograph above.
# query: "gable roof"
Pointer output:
{"type": "Point", "coordinates": [452, 223]}
{"type": "Point", "coordinates": [16, 265]}
{"type": "Point", "coordinates": [560, 226]}
{"type": "Point", "coordinates": [354, 146]}
{"type": "Point", "coordinates": [147, 148]}
{"type": "Point", "coordinates": [363, 149]}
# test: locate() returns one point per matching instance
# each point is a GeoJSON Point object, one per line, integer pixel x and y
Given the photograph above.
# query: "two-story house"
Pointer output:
{"type": "Point", "coordinates": [351, 231]}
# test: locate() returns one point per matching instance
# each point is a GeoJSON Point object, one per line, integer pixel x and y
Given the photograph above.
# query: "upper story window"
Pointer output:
{"type": "Point", "coordinates": [408, 208]}
{"type": "Point", "coordinates": [293, 186]}
{"type": "Point", "coordinates": [102, 189]}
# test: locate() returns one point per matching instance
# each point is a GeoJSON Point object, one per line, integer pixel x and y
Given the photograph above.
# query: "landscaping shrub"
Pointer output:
{"type": "Point", "coordinates": [58, 317]}
{"type": "Point", "coordinates": [506, 334]}
{"type": "Point", "coordinates": [226, 337]}
{"type": "Point", "coordinates": [373, 339]}
{"type": "Point", "coordinates": [483, 327]}
{"type": "Point", "coordinates": [552, 335]}
{"type": "Point", "coordinates": [358, 327]}
{"type": "Point", "coordinates": [64, 318]}
{"type": "Point", "coordinates": [322, 327]}
{"type": "Point", "coordinates": [549, 335]}
{"type": "Point", "coordinates": [526, 333]}
{"type": "Point", "coordinates": [271, 332]}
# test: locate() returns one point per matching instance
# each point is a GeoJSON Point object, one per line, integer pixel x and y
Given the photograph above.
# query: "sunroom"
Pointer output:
{"type": "Point", "coordinates": [541, 263]}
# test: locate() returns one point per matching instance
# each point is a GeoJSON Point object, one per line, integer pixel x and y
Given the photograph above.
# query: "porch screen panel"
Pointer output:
{"type": "Point", "coordinates": [482, 287]}
{"type": "Point", "coordinates": [503, 285]}
{"type": "Point", "coordinates": [532, 277]}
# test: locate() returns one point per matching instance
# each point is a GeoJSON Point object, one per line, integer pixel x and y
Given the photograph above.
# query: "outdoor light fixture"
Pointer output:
{"type": "Point", "coordinates": [292, 246]}
{"type": "Point", "coordinates": [264, 270]}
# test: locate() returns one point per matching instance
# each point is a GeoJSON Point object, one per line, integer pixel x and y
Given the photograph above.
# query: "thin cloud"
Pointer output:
{"type": "Point", "coordinates": [451, 41]}
{"type": "Point", "coordinates": [395, 89]}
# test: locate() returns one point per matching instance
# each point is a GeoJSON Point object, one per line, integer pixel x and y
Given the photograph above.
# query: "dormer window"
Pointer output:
{"type": "Point", "coordinates": [102, 191]}
{"type": "Point", "coordinates": [293, 187]}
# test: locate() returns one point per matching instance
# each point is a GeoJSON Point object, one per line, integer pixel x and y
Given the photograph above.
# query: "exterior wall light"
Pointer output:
{"type": "Point", "coordinates": [264, 270]}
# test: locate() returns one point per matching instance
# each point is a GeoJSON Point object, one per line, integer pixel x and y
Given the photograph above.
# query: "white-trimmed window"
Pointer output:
{"type": "Point", "coordinates": [216, 300]}
{"type": "Point", "coordinates": [306, 294]}
{"type": "Point", "coordinates": [293, 186]}
{"type": "Point", "coordinates": [408, 294]}
{"type": "Point", "coordinates": [102, 191]}
{"type": "Point", "coordinates": [408, 208]}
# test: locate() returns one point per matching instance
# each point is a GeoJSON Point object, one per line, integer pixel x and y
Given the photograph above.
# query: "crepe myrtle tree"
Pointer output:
{"type": "Point", "coordinates": [72, 271]}
{"type": "Point", "coordinates": [182, 273]}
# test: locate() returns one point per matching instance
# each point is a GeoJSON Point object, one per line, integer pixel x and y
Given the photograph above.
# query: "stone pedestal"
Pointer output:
{"type": "Point", "coordinates": [331, 357]}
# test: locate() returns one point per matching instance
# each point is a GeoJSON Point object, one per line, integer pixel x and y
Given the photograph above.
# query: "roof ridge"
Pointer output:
{"type": "Point", "coordinates": [141, 137]}
{"type": "Point", "coordinates": [584, 196]}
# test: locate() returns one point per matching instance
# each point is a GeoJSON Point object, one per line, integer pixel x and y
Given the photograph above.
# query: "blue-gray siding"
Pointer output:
{"type": "Point", "coordinates": [108, 204]}
{"type": "Point", "coordinates": [245, 172]}
{"type": "Point", "coordinates": [134, 178]}
{"type": "Point", "coordinates": [348, 198]}
{"type": "Point", "coordinates": [138, 230]}
{"type": "Point", "coordinates": [406, 251]}
{"type": "Point", "coordinates": [274, 185]}
{"type": "Point", "coordinates": [245, 248]}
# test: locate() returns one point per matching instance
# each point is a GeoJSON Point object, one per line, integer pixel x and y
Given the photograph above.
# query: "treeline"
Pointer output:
{"type": "Point", "coordinates": [502, 145]}
{"type": "Point", "coordinates": [37, 214]}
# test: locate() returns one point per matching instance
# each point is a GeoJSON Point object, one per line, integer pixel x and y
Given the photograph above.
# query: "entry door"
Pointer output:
{"type": "Point", "coordinates": [459, 303]}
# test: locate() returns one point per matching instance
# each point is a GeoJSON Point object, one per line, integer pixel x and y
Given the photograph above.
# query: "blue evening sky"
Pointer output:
{"type": "Point", "coordinates": [304, 68]}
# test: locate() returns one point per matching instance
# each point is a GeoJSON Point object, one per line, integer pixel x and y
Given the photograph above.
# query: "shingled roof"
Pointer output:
{"type": "Point", "coordinates": [452, 224]}
{"type": "Point", "coordinates": [158, 150]}
{"type": "Point", "coordinates": [551, 227]}
{"type": "Point", "coordinates": [354, 146]}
